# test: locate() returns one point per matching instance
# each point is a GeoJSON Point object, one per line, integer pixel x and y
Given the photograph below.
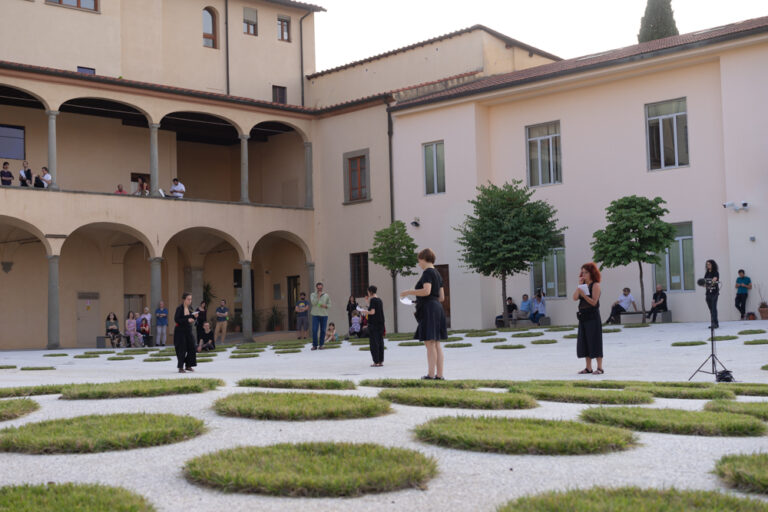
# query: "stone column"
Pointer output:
{"type": "Point", "coordinates": [308, 201]}
{"type": "Point", "coordinates": [311, 277]}
{"type": "Point", "coordinates": [154, 174]}
{"type": "Point", "coordinates": [53, 302]}
{"type": "Point", "coordinates": [244, 168]}
{"type": "Point", "coordinates": [247, 301]}
{"type": "Point", "coordinates": [155, 287]}
{"type": "Point", "coordinates": [196, 285]}
{"type": "Point", "coordinates": [52, 149]}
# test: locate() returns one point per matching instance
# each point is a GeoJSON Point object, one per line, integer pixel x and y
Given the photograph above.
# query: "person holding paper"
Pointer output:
{"type": "Point", "coordinates": [589, 342]}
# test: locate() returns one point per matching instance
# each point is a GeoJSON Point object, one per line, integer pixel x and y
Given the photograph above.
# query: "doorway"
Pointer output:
{"type": "Point", "coordinates": [133, 303]}
{"type": "Point", "coordinates": [294, 284]}
{"type": "Point", "coordinates": [444, 275]}
{"type": "Point", "coordinates": [89, 322]}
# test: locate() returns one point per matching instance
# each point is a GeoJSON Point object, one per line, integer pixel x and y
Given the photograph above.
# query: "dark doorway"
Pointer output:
{"type": "Point", "coordinates": [293, 297]}
{"type": "Point", "coordinates": [443, 271]}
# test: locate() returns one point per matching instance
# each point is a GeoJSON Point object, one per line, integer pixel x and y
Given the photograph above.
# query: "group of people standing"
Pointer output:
{"type": "Point", "coordinates": [26, 178]}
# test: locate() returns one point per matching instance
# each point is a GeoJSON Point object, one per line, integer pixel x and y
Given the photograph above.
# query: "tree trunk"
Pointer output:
{"type": "Point", "coordinates": [642, 291]}
{"type": "Point", "coordinates": [504, 312]}
{"type": "Point", "coordinates": [394, 299]}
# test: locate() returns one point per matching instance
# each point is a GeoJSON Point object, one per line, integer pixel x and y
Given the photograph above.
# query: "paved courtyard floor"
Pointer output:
{"type": "Point", "coordinates": [467, 481]}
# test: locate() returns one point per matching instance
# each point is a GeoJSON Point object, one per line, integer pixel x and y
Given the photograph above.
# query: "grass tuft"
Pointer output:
{"type": "Point", "coordinates": [479, 334]}
{"type": "Point", "coordinates": [752, 331]}
{"type": "Point", "coordinates": [55, 355]}
{"type": "Point", "coordinates": [119, 358]}
{"type": "Point", "coordinates": [458, 398]}
{"type": "Point", "coordinates": [416, 383]}
{"type": "Point", "coordinates": [411, 344]}
{"type": "Point", "coordinates": [155, 359]}
{"type": "Point", "coordinates": [7, 366]}
{"type": "Point", "coordinates": [725, 338]}
{"type": "Point", "coordinates": [688, 393]}
{"type": "Point", "coordinates": [675, 421]}
{"type": "Point", "coordinates": [312, 469]}
{"type": "Point", "coordinates": [543, 342]}
{"type": "Point", "coordinates": [457, 345]}
{"type": "Point", "coordinates": [297, 383]}
{"type": "Point", "coordinates": [508, 347]}
{"type": "Point", "coordinates": [86, 356]}
{"type": "Point", "coordinates": [688, 343]}
{"type": "Point", "coordinates": [492, 340]}
{"type": "Point", "coordinates": [745, 388]}
{"type": "Point", "coordinates": [288, 351]}
{"type": "Point", "coordinates": [632, 499]}
{"type": "Point", "coordinates": [560, 329]}
{"type": "Point", "coordinates": [36, 368]}
{"type": "Point", "coordinates": [571, 336]}
{"type": "Point", "coordinates": [62, 497]}
{"type": "Point", "coordinates": [99, 433]}
{"type": "Point", "coordinates": [611, 330]}
{"type": "Point", "coordinates": [249, 356]}
{"type": "Point", "coordinates": [745, 472]}
{"type": "Point", "coordinates": [558, 393]}
{"type": "Point", "coordinates": [528, 334]}
{"type": "Point", "coordinates": [100, 352]}
{"type": "Point", "coordinates": [138, 388]}
{"type": "Point", "coordinates": [45, 389]}
{"type": "Point", "coordinates": [756, 409]}
{"type": "Point", "coordinates": [12, 409]}
{"type": "Point", "coordinates": [523, 436]}
{"type": "Point", "coordinates": [299, 406]}
{"type": "Point", "coordinates": [756, 342]}
{"type": "Point", "coordinates": [635, 326]}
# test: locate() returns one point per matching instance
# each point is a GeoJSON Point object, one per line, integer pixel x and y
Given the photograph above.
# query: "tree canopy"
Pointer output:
{"type": "Point", "coordinates": [658, 21]}
{"type": "Point", "coordinates": [394, 249]}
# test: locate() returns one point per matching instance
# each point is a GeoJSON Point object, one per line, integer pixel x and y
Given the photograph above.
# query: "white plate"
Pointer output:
{"type": "Point", "coordinates": [407, 301]}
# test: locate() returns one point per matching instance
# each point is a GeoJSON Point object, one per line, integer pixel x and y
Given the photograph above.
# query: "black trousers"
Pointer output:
{"type": "Point", "coordinates": [376, 342]}
{"type": "Point", "coordinates": [741, 304]}
{"type": "Point", "coordinates": [186, 349]}
{"type": "Point", "coordinates": [712, 305]}
{"type": "Point", "coordinates": [654, 310]}
{"type": "Point", "coordinates": [615, 316]}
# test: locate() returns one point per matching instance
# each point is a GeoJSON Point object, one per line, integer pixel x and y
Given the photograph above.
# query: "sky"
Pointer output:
{"type": "Point", "coordinates": [357, 29]}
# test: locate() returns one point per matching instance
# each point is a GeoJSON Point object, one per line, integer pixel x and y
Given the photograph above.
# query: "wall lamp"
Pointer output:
{"type": "Point", "coordinates": [416, 222]}
{"type": "Point", "coordinates": [742, 205]}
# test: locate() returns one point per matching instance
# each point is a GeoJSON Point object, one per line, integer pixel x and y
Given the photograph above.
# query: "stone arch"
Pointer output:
{"type": "Point", "coordinates": [200, 113]}
{"type": "Point", "coordinates": [99, 106]}
{"type": "Point", "coordinates": [291, 237]}
{"type": "Point", "coordinates": [26, 226]}
{"type": "Point", "coordinates": [294, 127]}
{"type": "Point", "coordinates": [26, 96]}
{"type": "Point", "coordinates": [224, 236]}
{"type": "Point", "coordinates": [121, 228]}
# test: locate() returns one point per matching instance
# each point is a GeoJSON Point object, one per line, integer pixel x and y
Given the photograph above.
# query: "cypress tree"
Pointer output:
{"type": "Point", "coordinates": [658, 22]}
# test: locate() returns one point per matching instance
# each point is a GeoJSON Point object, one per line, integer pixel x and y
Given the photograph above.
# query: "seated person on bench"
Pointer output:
{"type": "Point", "coordinates": [621, 306]}
{"type": "Point", "coordinates": [659, 302]}
{"type": "Point", "coordinates": [511, 308]}
{"type": "Point", "coordinates": [206, 343]}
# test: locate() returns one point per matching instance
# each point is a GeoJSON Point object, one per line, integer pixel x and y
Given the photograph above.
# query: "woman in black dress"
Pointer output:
{"type": "Point", "coordinates": [202, 317]}
{"type": "Point", "coordinates": [589, 343]}
{"type": "Point", "coordinates": [351, 308]}
{"type": "Point", "coordinates": [183, 340]}
{"type": "Point", "coordinates": [713, 292]}
{"type": "Point", "coordinates": [430, 314]}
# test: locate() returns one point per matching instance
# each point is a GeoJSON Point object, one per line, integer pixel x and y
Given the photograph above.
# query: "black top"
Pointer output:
{"type": "Point", "coordinates": [181, 319]}
{"type": "Point", "coordinates": [376, 320]}
{"type": "Point", "coordinates": [205, 337]}
{"type": "Point", "coordinates": [715, 289]}
{"type": "Point", "coordinates": [202, 317]}
{"type": "Point", "coordinates": [431, 276]}
{"type": "Point", "coordinates": [583, 304]}
{"type": "Point", "coordinates": [351, 306]}
{"type": "Point", "coordinates": [660, 296]}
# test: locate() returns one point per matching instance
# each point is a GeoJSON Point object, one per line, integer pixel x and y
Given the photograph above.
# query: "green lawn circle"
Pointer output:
{"type": "Point", "coordinates": [312, 469]}
{"type": "Point", "coordinates": [99, 433]}
{"type": "Point", "coordinates": [294, 406]}
{"type": "Point", "coordinates": [138, 388]}
{"type": "Point", "coordinates": [633, 499]}
{"type": "Point", "coordinates": [523, 436]}
{"type": "Point", "coordinates": [12, 409]}
{"type": "Point", "coordinates": [676, 421]}
{"type": "Point", "coordinates": [65, 497]}
{"type": "Point", "coordinates": [459, 398]}
{"type": "Point", "coordinates": [745, 472]}
{"type": "Point", "coordinates": [564, 393]}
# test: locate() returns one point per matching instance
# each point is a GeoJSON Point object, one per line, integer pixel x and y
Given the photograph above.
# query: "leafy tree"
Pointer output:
{"type": "Point", "coordinates": [634, 233]}
{"type": "Point", "coordinates": [394, 249]}
{"type": "Point", "coordinates": [658, 21]}
{"type": "Point", "coordinates": [506, 233]}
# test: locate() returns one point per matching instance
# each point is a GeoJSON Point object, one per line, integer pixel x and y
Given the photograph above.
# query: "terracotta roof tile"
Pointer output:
{"type": "Point", "coordinates": [298, 5]}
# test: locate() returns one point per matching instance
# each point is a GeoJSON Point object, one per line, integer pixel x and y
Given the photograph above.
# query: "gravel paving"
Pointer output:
{"type": "Point", "coordinates": [468, 481]}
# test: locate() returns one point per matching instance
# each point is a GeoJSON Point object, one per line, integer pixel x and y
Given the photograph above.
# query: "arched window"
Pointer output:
{"type": "Point", "coordinates": [209, 28]}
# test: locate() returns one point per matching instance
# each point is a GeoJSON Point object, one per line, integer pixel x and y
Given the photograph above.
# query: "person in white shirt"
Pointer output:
{"type": "Point", "coordinates": [25, 175]}
{"type": "Point", "coordinates": [177, 189]}
{"type": "Point", "coordinates": [620, 306]}
{"type": "Point", "coordinates": [45, 178]}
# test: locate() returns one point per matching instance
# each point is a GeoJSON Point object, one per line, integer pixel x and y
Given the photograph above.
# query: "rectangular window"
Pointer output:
{"type": "Point", "coordinates": [89, 5]}
{"type": "Point", "coordinates": [544, 158]}
{"type": "Point", "coordinates": [279, 94]}
{"type": "Point", "coordinates": [549, 275]}
{"type": "Point", "coordinates": [676, 272]}
{"type": "Point", "coordinates": [667, 124]}
{"type": "Point", "coordinates": [358, 274]}
{"type": "Point", "coordinates": [356, 176]}
{"type": "Point", "coordinates": [434, 167]}
{"type": "Point", "coordinates": [250, 21]}
{"type": "Point", "coordinates": [12, 142]}
{"type": "Point", "coordinates": [283, 28]}
{"type": "Point", "coordinates": [86, 71]}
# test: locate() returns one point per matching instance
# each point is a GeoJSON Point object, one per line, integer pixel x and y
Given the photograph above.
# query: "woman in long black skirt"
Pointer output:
{"type": "Point", "coordinates": [430, 314]}
{"type": "Point", "coordinates": [589, 343]}
{"type": "Point", "coordinates": [183, 339]}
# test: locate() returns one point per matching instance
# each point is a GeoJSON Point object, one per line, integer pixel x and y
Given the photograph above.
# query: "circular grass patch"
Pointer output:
{"type": "Point", "coordinates": [99, 433]}
{"type": "Point", "coordinates": [204, 360]}
{"type": "Point", "coordinates": [756, 342]}
{"type": "Point", "coordinates": [458, 398]}
{"type": "Point", "coordinates": [155, 359]}
{"type": "Point", "coordinates": [492, 340]}
{"type": "Point", "coordinates": [745, 472]}
{"type": "Point", "coordinates": [250, 356]}
{"type": "Point", "coordinates": [453, 338]}
{"type": "Point", "coordinates": [411, 344]}
{"type": "Point", "coordinates": [560, 329]}
{"type": "Point", "coordinates": [745, 388]}
{"type": "Point", "coordinates": [367, 348]}
{"type": "Point", "coordinates": [523, 436]}
{"type": "Point", "coordinates": [297, 383]}
{"type": "Point", "coordinates": [764, 367]}
{"type": "Point", "coordinates": [635, 326]}
{"type": "Point", "coordinates": [543, 342]}
{"type": "Point", "coordinates": [7, 366]}
{"type": "Point", "coordinates": [12, 409]}
{"type": "Point", "coordinates": [676, 421]}
{"type": "Point", "coordinates": [247, 351]}
{"type": "Point", "coordinates": [416, 383]}
{"type": "Point", "coordinates": [37, 368]}
{"type": "Point", "coordinates": [557, 393]}
{"type": "Point", "coordinates": [725, 338]}
{"type": "Point", "coordinates": [55, 355]}
{"type": "Point", "coordinates": [479, 334]}
{"type": "Point", "coordinates": [756, 409]}
{"type": "Point", "coordinates": [457, 345]}
{"type": "Point", "coordinates": [62, 497]}
{"type": "Point", "coordinates": [632, 499]}
{"type": "Point", "coordinates": [86, 356]}
{"type": "Point", "coordinates": [139, 351]}
{"type": "Point", "coordinates": [286, 351]}
{"type": "Point", "coordinates": [119, 358]}
{"type": "Point", "coordinates": [100, 352]}
{"type": "Point", "coordinates": [707, 393]}
{"type": "Point", "coordinates": [138, 388]}
{"type": "Point", "coordinates": [299, 406]}
{"type": "Point", "coordinates": [752, 331]}
{"type": "Point", "coordinates": [688, 343]}
{"type": "Point", "coordinates": [611, 330]}
{"type": "Point", "coordinates": [527, 334]}
{"type": "Point", "coordinates": [571, 336]}
{"type": "Point", "coordinates": [508, 347]}
{"type": "Point", "coordinates": [312, 469]}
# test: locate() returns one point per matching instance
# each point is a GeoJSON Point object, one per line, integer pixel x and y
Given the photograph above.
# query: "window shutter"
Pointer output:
{"type": "Point", "coordinates": [249, 15]}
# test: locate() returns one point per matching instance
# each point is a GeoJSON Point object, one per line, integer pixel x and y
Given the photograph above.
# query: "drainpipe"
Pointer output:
{"type": "Point", "coordinates": [390, 132]}
{"type": "Point", "coordinates": [226, 38]}
{"type": "Point", "coordinates": [301, 54]}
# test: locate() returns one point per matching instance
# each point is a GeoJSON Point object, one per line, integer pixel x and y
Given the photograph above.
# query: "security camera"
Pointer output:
{"type": "Point", "coordinates": [729, 204]}
{"type": "Point", "coordinates": [744, 205]}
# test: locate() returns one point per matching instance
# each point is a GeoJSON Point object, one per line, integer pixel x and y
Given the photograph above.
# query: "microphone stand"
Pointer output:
{"type": "Point", "coordinates": [712, 356]}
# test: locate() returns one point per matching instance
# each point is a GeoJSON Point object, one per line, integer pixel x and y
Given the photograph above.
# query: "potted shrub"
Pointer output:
{"type": "Point", "coordinates": [275, 319]}
{"type": "Point", "coordinates": [763, 307]}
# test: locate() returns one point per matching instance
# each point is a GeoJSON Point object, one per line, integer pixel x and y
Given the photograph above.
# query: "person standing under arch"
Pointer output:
{"type": "Point", "coordinates": [183, 339]}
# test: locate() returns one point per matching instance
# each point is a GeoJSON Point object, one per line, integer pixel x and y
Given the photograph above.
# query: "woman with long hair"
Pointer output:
{"type": "Point", "coordinates": [429, 313]}
{"type": "Point", "coordinates": [351, 308]}
{"type": "Point", "coordinates": [589, 342]}
{"type": "Point", "coordinates": [713, 291]}
{"type": "Point", "coordinates": [130, 330]}
{"type": "Point", "coordinates": [112, 327]}
{"type": "Point", "coordinates": [183, 340]}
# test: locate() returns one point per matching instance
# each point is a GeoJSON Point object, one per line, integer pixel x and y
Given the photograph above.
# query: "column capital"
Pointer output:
{"type": "Point", "coordinates": [308, 145]}
{"type": "Point", "coordinates": [310, 264]}
{"type": "Point", "coordinates": [245, 136]}
{"type": "Point", "coordinates": [154, 126]}
{"type": "Point", "coordinates": [155, 260]}
{"type": "Point", "coordinates": [52, 113]}
{"type": "Point", "coordinates": [245, 263]}
{"type": "Point", "coordinates": [53, 257]}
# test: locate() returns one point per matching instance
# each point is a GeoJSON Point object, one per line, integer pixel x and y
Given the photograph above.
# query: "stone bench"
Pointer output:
{"type": "Point", "coordinates": [543, 321]}
{"type": "Point", "coordinates": [636, 317]}
{"type": "Point", "coordinates": [102, 341]}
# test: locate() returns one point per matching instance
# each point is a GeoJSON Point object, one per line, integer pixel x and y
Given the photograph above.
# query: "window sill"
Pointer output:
{"type": "Point", "coordinates": [81, 9]}
{"type": "Point", "coordinates": [357, 201]}
{"type": "Point", "coordinates": [546, 185]}
{"type": "Point", "coordinates": [670, 168]}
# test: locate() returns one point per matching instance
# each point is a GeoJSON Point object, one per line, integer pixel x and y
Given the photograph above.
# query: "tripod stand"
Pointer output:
{"type": "Point", "coordinates": [712, 357]}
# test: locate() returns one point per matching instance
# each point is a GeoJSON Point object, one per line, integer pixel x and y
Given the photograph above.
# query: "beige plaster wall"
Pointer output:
{"type": "Point", "coordinates": [277, 170]}
{"type": "Point", "coordinates": [24, 302]}
{"type": "Point", "coordinates": [210, 171]}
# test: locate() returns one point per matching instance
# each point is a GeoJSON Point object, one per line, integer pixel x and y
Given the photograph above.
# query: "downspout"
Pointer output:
{"type": "Point", "coordinates": [390, 133]}
{"type": "Point", "coordinates": [226, 38]}
{"type": "Point", "coordinates": [301, 54]}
